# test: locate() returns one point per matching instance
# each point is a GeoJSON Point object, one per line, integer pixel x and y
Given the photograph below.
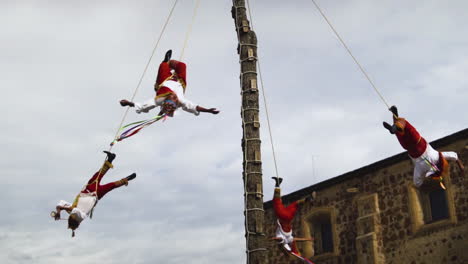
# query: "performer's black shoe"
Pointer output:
{"type": "Point", "coordinates": [110, 156]}
{"type": "Point", "coordinates": [131, 177]}
{"type": "Point", "coordinates": [168, 55]}
{"type": "Point", "coordinates": [278, 181]}
{"type": "Point", "coordinates": [390, 128]}
{"type": "Point", "coordinates": [394, 110]}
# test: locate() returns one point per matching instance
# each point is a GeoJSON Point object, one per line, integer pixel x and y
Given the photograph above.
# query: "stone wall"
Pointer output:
{"type": "Point", "coordinates": [377, 216]}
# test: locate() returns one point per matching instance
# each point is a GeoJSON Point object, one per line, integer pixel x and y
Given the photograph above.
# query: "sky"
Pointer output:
{"type": "Point", "coordinates": [64, 65]}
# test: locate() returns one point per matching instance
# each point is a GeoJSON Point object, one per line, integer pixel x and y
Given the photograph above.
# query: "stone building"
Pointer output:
{"type": "Point", "coordinates": [375, 215]}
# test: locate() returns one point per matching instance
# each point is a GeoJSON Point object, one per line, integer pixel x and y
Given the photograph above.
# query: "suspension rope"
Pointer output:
{"type": "Point", "coordinates": [136, 88]}
{"type": "Point", "coordinates": [148, 122]}
{"type": "Point", "coordinates": [351, 54]}
{"type": "Point", "coordinates": [189, 30]}
{"type": "Point", "coordinates": [145, 69]}
{"type": "Point", "coordinates": [264, 100]}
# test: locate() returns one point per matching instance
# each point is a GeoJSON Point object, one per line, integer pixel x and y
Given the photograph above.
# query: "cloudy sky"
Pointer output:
{"type": "Point", "coordinates": [64, 65]}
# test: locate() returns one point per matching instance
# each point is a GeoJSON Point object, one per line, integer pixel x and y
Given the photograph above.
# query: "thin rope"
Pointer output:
{"type": "Point", "coordinates": [189, 31]}
{"type": "Point", "coordinates": [145, 69]}
{"type": "Point", "coordinates": [351, 54]}
{"type": "Point", "coordinates": [265, 101]}
{"type": "Point", "coordinates": [187, 36]}
{"type": "Point", "coordinates": [138, 86]}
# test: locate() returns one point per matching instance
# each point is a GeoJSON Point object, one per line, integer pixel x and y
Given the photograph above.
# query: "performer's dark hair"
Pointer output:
{"type": "Point", "coordinates": [73, 223]}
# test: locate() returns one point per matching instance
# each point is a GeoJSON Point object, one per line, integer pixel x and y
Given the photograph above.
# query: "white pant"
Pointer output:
{"type": "Point", "coordinates": [286, 236]}
{"type": "Point", "coordinates": [424, 164]}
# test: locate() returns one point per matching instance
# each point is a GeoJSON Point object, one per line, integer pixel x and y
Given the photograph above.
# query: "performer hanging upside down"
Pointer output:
{"type": "Point", "coordinates": [87, 199]}
{"type": "Point", "coordinates": [285, 215]}
{"type": "Point", "coordinates": [170, 88]}
{"type": "Point", "coordinates": [429, 164]}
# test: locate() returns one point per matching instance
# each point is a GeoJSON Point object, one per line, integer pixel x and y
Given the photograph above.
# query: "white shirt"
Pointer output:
{"type": "Point", "coordinates": [177, 88]}
{"type": "Point", "coordinates": [85, 205]}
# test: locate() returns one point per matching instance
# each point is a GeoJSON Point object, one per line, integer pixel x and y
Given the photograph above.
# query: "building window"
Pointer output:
{"type": "Point", "coordinates": [435, 205]}
{"type": "Point", "coordinates": [319, 225]}
{"type": "Point", "coordinates": [323, 235]}
{"type": "Point", "coordinates": [431, 206]}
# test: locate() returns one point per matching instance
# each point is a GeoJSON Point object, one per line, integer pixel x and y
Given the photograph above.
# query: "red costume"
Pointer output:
{"type": "Point", "coordinates": [101, 189]}
{"type": "Point", "coordinates": [410, 139]}
{"type": "Point", "coordinates": [285, 215]}
{"type": "Point", "coordinates": [167, 83]}
{"type": "Point", "coordinates": [427, 161]}
{"type": "Point", "coordinates": [164, 74]}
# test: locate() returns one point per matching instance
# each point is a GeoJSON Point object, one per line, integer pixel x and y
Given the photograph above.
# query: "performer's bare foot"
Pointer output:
{"type": "Point", "coordinates": [125, 102]}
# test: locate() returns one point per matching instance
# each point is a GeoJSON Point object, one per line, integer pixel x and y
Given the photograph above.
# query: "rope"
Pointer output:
{"type": "Point", "coordinates": [264, 100]}
{"type": "Point", "coordinates": [351, 54]}
{"type": "Point", "coordinates": [145, 69]}
{"type": "Point", "coordinates": [148, 122]}
{"type": "Point", "coordinates": [189, 31]}
{"type": "Point", "coordinates": [138, 86]}
{"type": "Point", "coordinates": [257, 249]}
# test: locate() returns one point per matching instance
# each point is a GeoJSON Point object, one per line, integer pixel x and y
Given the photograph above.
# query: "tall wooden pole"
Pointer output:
{"type": "Point", "coordinates": [252, 173]}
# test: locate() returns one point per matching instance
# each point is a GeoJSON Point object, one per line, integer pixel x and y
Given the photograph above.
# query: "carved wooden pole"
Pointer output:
{"type": "Point", "coordinates": [252, 174]}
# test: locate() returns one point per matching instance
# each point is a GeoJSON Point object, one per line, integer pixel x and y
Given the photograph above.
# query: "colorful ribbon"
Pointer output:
{"type": "Point", "coordinates": [435, 169]}
{"type": "Point", "coordinates": [305, 260]}
{"type": "Point", "coordinates": [301, 258]}
{"type": "Point", "coordinates": [135, 127]}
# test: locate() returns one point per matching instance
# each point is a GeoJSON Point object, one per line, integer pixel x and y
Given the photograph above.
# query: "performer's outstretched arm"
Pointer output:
{"type": "Point", "coordinates": [209, 110]}
{"type": "Point", "coordinates": [453, 156]}
{"type": "Point", "coordinates": [59, 208]}
{"type": "Point", "coordinates": [303, 239]}
{"type": "Point", "coordinates": [450, 155]}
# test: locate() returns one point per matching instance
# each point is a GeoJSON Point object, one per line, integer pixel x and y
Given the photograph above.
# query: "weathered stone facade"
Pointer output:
{"type": "Point", "coordinates": [377, 216]}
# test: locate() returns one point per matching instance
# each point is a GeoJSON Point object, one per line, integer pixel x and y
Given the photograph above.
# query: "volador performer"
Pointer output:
{"type": "Point", "coordinates": [429, 164]}
{"type": "Point", "coordinates": [170, 89]}
{"type": "Point", "coordinates": [87, 199]}
{"type": "Point", "coordinates": [285, 216]}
